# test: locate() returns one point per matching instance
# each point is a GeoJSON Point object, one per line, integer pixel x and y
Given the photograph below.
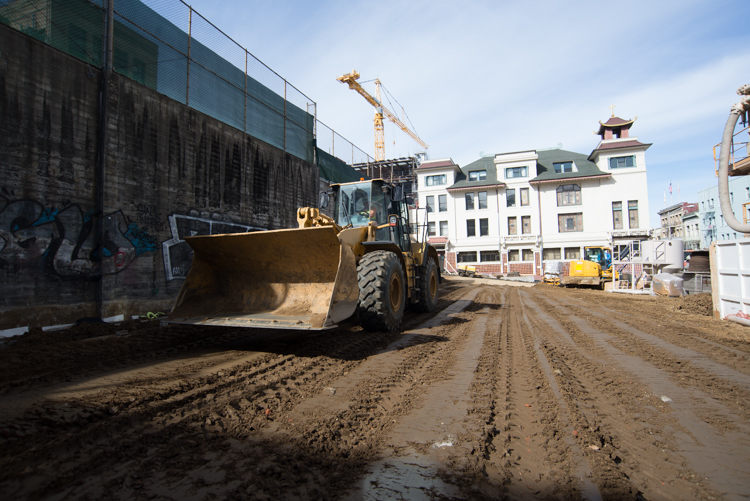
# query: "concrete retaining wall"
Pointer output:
{"type": "Point", "coordinates": [170, 171]}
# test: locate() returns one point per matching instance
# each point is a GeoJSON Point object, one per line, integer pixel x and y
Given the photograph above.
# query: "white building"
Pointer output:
{"type": "Point", "coordinates": [512, 211]}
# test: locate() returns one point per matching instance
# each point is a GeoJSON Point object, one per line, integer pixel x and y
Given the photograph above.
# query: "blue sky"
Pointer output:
{"type": "Point", "coordinates": [493, 76]}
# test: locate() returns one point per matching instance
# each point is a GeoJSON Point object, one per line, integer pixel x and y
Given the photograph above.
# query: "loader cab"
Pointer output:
{"type": "Point", "coordinates": [359, 204]}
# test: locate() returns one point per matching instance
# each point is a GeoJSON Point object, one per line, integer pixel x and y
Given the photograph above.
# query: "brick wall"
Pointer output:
{"type": "Point", "coordinates": [487, 269]}
{"type": "Point", "coordinates": [522, 268]}
{"type": "Point", "coordinates": [170, 171]}
{"type": "Point", "coordinates": [450, 257]}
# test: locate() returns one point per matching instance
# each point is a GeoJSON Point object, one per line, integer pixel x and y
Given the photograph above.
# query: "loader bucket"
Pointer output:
{"type": "Point", "coordinates": [284, 279]}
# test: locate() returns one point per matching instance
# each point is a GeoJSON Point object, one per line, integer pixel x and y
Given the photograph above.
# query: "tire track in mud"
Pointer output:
{"type": "Point", "coordinates": [242, 403]}
{"type": "Point", "coordinates": [437, 429]}
{"type": "Point", "coordinates": [686, 334]}
{"type": "Point", "coordinates": [562, 425]}
{"type": "Point", "coordinates": [619, 419]}
{"type": "Point", "coordinates": [509, 440]}
{"type": "Point", "coordinates": [690, 369]}
{"type": "Point", "coordinates": [679, 435]}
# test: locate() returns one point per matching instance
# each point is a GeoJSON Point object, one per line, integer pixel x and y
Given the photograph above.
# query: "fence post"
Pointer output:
{"type": "Point", "coordinates": [244, 98]}
{"type": "Point", "coordinates": [190, 38]}
{"type": "Point", "coordinates": [284, 115]}
{"type": "Point", "coordinates": [108, 27]}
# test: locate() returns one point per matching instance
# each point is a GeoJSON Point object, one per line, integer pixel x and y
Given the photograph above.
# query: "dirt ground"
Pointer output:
{"type": "Point", "coordinates": [502, 393]}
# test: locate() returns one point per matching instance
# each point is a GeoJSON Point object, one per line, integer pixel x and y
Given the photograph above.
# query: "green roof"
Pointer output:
{"type": "Point", "coordinates": [546, 169]}
{"type": "Point", "coordinates": [484, 163]}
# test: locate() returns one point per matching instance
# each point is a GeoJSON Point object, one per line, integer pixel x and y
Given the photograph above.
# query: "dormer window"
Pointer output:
{"type": "Point", "coordinates": [622, 162]}
{"type": "Point", "coordinates": [563, 167]}
{"type": "Point", "coordinates": [514, 172]}
{"type": "Point", "coordinates": [436, 180]}
{"type": "Point", "coordinates": [477, 175]}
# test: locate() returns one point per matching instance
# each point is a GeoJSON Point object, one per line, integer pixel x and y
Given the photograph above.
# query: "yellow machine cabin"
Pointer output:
{"type": "Point", "coordinates": [594, 269]}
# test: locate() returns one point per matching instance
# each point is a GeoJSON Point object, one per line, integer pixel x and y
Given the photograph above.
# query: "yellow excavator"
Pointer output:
{"type": "Point", "coordinates": [594, 269]}
{"type": "Point", "coordinates": [362, 261]}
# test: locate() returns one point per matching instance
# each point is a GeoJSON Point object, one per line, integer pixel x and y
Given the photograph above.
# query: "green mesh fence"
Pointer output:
{"type": "Point", "coordinates": [334, 170]}
{"type": "Point", "coordinates": [167, 46]}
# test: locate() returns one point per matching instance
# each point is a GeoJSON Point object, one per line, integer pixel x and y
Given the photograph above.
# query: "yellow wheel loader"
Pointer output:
{"type": "Point", "coordinates": [594, 269]}
{"type": "Point", "coordinates": [362, 261]}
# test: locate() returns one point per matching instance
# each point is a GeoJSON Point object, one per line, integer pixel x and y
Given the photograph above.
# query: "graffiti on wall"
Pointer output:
{"type": "Point", "coordinates": [62, 239]}
{"type": "Point", "coordinates": [178, 256]}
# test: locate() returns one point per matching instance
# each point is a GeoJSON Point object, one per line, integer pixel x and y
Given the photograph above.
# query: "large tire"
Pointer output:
{"type": "Point", "coordinates": [382, 291]}
{"type": "Point", "coordinates": [428, 286]}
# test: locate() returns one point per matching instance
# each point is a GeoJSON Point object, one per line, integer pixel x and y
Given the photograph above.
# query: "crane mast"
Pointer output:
{"type": "Point", "coordinates": [380, 112]}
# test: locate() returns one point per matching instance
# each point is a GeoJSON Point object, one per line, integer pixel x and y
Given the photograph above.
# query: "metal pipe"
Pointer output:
{"type": "Point", "coordinates": [726, 206]}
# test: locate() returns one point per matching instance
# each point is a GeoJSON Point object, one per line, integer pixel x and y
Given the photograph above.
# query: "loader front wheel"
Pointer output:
{"type": "Point", "coordinates": [382, 294]}
{"type": "Point", "coordinates": [428, 286]}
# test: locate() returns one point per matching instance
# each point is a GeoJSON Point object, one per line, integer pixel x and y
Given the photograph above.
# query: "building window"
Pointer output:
{"type": "Point", "coordinates": [443, 203]}
{"type": "Point", "coordinates": [514, 172]}
{"type": "Point", "coordinates": [617, 215]}
{"type": "Point", "coordinates": [551, 254]}
{"type": "Point", "coordinates": [471, 228]}
{"type": "Point", "coordinates": [622, 162]}
{"type": "Point", "coordinates": [572, 253]}
{"type": "Point", "coordinates": [524, 196]}
{"type": "Point", "coordinates": [525, 224]}
{"type": "Point", "coordinates": [633, 213]}
{"type": "Point", "coordinates": [570, 222]}
{"type": "Point", "coordinates": [489, 256]}
{"type": "Point", "coordinates": [436, 180]}
{"type": "Point", "coordinates": [568, 194]}
{"type": "Point", "coordinates": [430, 203]}
{"type": "Point", "coordinates": [482, 195]}
{"type": "Point", "coordinates": [469, 201]}
{"type": "Point", "coordinates": [431, 229]}
{"type": "Point", "coordinates": [528, 255]}
{"type": "Point", "coordinates": [512, 225]}
{"type": "Point", "coordinates": [510, 198]}
{"type": "Point", "coordinates": [477, 175]}
{"type": "Point", "coordinates": [467, 257]}
{"type": "Point", "coordinates": [562, 167]}
{"type": "Point", "coordinates": [443, 228]}
{"type": "Point", "coordinates": [484, 227]}
{"type": "Point", "coordinates": [513, 255]}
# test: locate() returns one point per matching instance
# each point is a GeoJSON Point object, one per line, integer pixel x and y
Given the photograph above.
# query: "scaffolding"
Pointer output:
{"type": "Point", "coordinates": [397, 171]}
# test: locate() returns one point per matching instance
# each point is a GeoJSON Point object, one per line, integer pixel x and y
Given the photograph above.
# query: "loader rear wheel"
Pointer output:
{"type": "Point", "coordinates": [428, 286]}
{"type": "Point", "coordinates": [382, 293]}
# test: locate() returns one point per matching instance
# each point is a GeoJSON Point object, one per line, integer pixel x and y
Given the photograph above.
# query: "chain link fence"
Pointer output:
{"type": "Point", "coordinates": [171, 48]}
{"type": "Point", "coordinates": [336, 145]}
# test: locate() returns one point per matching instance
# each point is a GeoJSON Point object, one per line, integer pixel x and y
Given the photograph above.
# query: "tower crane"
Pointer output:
{"type": "Point", "coordinates": [380, 111]}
